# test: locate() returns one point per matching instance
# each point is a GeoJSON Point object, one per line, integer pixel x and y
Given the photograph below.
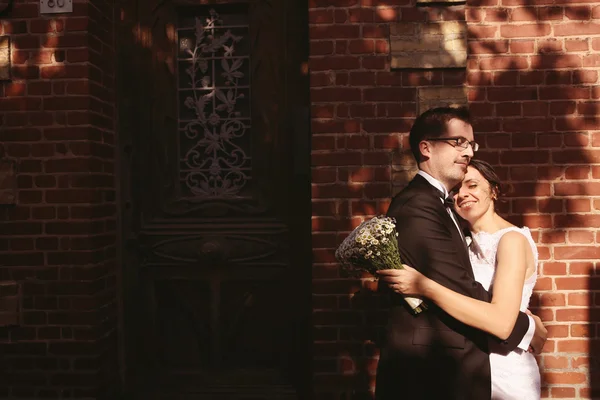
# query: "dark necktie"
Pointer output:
{"type": "Point", "coordinates": [449, 202]}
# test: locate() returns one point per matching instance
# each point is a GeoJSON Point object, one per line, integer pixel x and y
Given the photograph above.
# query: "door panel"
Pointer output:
{"type": "Point", "coordinates": [215, 198]}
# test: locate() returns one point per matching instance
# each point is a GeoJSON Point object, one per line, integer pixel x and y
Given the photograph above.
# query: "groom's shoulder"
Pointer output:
{"type": "Point", "coordinates": [416, 193]}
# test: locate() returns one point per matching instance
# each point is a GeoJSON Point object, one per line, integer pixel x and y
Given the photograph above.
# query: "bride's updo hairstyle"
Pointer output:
{"type": "Point", "coordinates": [487, 171]}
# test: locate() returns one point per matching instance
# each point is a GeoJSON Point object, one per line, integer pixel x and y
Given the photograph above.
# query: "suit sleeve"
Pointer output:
{"type": "Point", "coordinates": [426, 244]}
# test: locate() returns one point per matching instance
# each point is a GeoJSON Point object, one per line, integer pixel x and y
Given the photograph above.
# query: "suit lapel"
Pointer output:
{"type": "Point", "coordinates": [421, 184]}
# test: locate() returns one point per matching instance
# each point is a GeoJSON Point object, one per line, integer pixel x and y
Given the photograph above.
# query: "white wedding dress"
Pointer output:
{"type": "Point", "coordinates": [515, 376]}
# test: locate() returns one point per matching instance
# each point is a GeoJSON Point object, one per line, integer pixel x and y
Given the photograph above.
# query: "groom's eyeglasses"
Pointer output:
{"type": "Point", "coordinates": [457, 142]}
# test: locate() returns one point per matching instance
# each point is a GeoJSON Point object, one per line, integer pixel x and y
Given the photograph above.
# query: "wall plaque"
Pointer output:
{"type": "Point", "coordinates": [427, 45]}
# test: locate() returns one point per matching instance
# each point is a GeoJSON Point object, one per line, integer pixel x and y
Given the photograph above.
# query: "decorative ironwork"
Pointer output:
{"type": "Point", "coordinates": [214, 116]}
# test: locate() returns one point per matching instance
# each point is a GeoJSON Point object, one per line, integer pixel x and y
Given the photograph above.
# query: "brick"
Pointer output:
{"type": "Point", "coordinates": [320, 80]}
{"type": "Point", "coordinates": [581, 268]}
{"type": "Point", "coordinates": [552, 299]}
{"type": "Point", "coordinates": [576, 45]}
{"type": "Point", "coordinates": [551, 46]}
{"type": "Point", "coordinates": [389, 125]}
{"type": "Point", "coordinates": [577, 172]}
{"type": "Point", "coordinates": [556, 331]}
{"type": "Point", "coordinates": [333, 32]}
{"type": "Point", "coordinates": [521, 14]}
{"type": "Point", "coordinates": [478, 78]}
{"type": "Point", "coordinates": [334, 126]}
{"type": "Point", "coordinates": [562, 392]}
{"type": "Point", "coordinates": [558, 78]}
{"type": "Point", "coordinates": [578, 12]}
{"type": "Point", "coordinates": [483, 31]}
{"type": "Point", "coordinates": [504, 63]}
{"type": "Point", "coordinates": [389, 94]}
{"type": "Point", "coordinates": [549, 61]}
{"type": "Point", "coordinates": [577, 29]}
{"type": "Point", "coordinates": [580, 330]}
{"type": "Point", "coordinates": [522, 46]}
{"type": "Point", "coordinates": [551, 362]}
{"type": "Point", "coordinates": [543, 284]}
{"type": "Point", "coordinates": [374, 62]}
{"type": "Point", "coordinates": [342, 79]}
{"type": "Point", "coordinates": [322, 111]}
{"type": "Point", "coordinates": [526, 30]}
{"type": "Point", "coordinates": [320, 16]}
{"type": "Point", "coordinates": [362, 78]}
{"type": "Point", "coordinates": [474, 14]}
{"type": "Point", "coordinates": [358, 15]}
{"type": "Point", "coordinates": [353, 142]}
{"type": "Point", "coordinates": [582, 93]}
{"type": "Point", "coordinates": [321, 48]}
{"type": "Point", "coordinates": [530, 124]}
{"type": "Point", "coordinates": [577, 139]}
{"type": "Point", "coordinates": [376, 31]}
{"type": "Point", "coordinates": [573, 346]}
{"type": "Point", "coordinates": [591, 60]}
{"type": "Point", "coordinates": [575, 283]}
{"type": "Point", "coordinates": [585, 76]}
{"type": "Point", "coordinates": [441, 96]}
{"type": "Point", "coordinates": [361, 46]}
{"type": "Point", "coordinates": [333, 63]}
{"type": "Point", "coordinates": [551, 13]}
{"type": "Point", "coordinates": [335, 94]}
{"type": "Point", "coordinates": [496, 15]}
{"type": "Point", "coordinates": [488, 47]}
{"type": "Point", "coordinates": [77, 24]}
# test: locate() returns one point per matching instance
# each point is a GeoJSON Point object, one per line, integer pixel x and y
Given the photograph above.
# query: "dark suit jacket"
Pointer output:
{"type": "Point", "coordinates": [432, 355]}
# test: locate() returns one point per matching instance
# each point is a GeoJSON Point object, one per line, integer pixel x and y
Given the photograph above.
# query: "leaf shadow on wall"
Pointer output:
{"type": "Point", "coordinates": [533, 116]}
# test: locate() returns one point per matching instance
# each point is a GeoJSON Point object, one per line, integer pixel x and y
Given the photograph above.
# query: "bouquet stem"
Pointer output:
{"type": "Point", "coordinates": [416, 304]}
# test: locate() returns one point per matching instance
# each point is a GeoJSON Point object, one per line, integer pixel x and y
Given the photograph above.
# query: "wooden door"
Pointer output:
{"type": "Point", "coordinates": [215, 198]}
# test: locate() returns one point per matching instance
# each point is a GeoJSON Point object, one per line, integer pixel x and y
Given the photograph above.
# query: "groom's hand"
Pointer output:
{"type": "Point", "coordinates": [540, 335]}
{"type": "Point", "coordinates": [407, 281]}
{"type": "Point", "coordinates": [390, 278]}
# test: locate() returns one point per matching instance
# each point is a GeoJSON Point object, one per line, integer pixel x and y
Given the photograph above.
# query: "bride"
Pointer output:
{"type": "Point", "coordinates": [504, 259]}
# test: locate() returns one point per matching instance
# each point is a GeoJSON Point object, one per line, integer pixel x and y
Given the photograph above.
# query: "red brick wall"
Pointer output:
{"type": "Point", "coordinates": [532, 80]}
{"type": "Point", "coordinates": [59, 240]}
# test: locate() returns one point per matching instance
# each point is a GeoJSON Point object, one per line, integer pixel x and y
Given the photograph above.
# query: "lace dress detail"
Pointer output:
{"type": "Point", "coordinates": [515, 376]}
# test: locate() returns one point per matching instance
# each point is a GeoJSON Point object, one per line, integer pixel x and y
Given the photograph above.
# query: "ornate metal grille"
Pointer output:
{"type": "Point", "coordinates": [214, 106]}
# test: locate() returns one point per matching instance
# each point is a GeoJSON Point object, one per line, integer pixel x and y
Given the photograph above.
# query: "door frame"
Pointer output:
{"type": "Point", "coordinates": [298, 123]}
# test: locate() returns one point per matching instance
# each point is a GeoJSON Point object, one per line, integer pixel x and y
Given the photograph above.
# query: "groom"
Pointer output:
{"type": "Point", "coordinates": [433, 356]}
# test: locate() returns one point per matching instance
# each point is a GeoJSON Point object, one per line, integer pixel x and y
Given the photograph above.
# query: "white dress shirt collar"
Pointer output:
{"type": "Point", "coordinates": [434, 182]}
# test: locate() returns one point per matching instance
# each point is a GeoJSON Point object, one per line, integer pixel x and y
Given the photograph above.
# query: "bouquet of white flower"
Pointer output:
{"type": "Point", "coordinates": [373, 246]}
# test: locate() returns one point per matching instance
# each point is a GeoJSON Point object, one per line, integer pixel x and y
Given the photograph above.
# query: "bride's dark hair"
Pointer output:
{"type": "Point", "coordinates": [487, 171]}
{"type": "Point", "coordinates": [497, 187]}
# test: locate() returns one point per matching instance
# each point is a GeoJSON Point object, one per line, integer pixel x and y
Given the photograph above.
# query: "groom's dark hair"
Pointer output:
{"type": "Point", "coordinates": [433, 123]}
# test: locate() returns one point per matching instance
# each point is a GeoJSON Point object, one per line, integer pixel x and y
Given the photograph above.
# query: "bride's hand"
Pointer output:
{"type": "Point", "coordinates": [407, 281]}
